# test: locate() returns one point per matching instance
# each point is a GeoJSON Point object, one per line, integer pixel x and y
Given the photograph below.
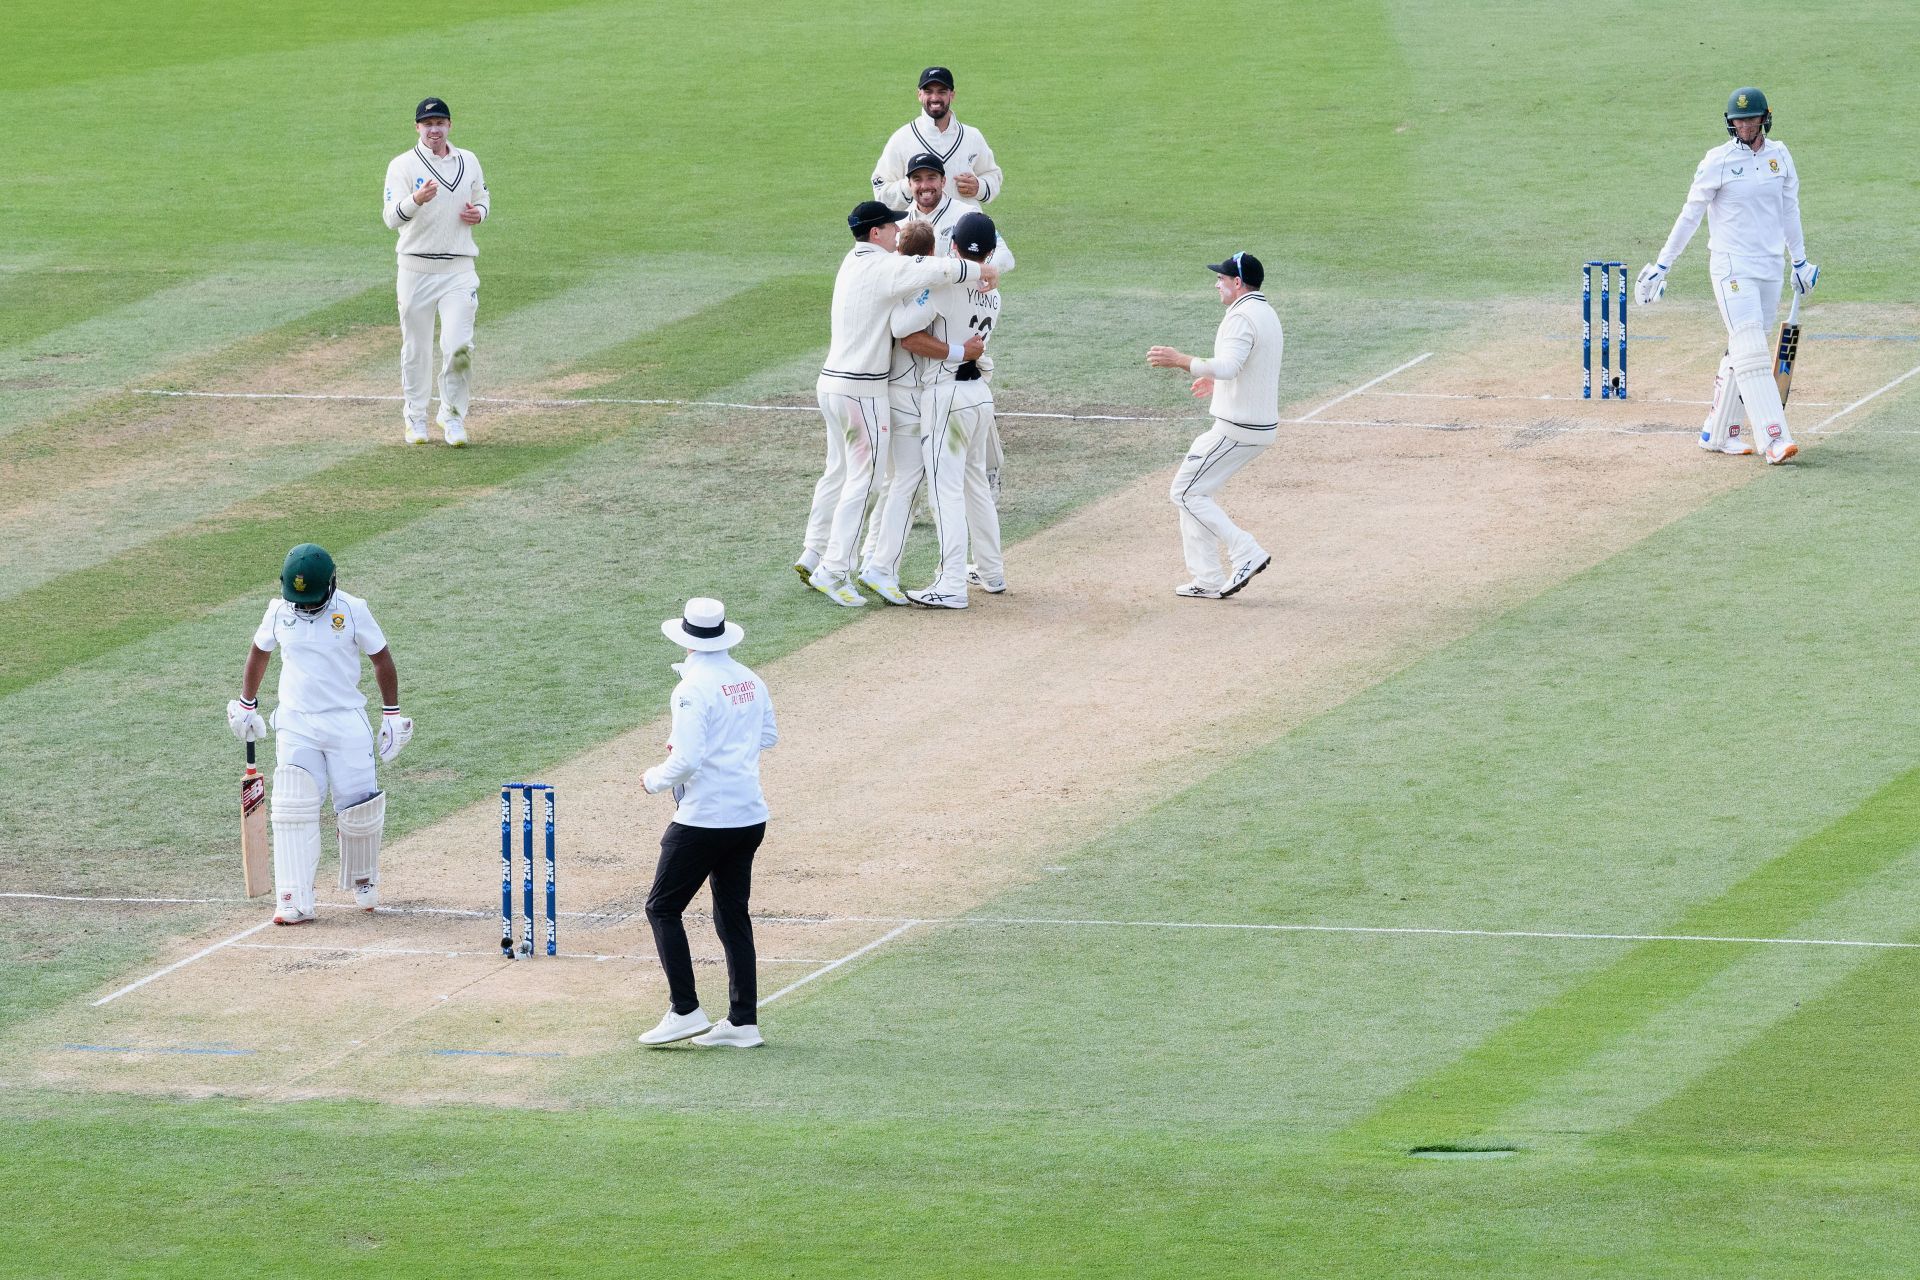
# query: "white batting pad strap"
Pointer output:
{"type": "Point", "coordinates": [294, 807]}
{"type": "Point", "coordinates": [1753, 370]}
{"type": "Point", "coordinates": [360, 827]}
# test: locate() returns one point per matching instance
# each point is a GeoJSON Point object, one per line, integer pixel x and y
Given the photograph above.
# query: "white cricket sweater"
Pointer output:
{"type": "Point", "coordinates": [870, 281]}
{"type": "Point", "coordinates": [432, 237]}
{"type": "Point", "coordinates": [945, 216]}
{"type": "Point", "coordinates": [960, 148]}
{"type": "Point", "coordinates": [1245, 368]}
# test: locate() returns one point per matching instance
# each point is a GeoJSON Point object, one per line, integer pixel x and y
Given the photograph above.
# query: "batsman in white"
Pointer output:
{"type": "Point", "coordinates": [1243, 378]}
{"type": "Point", "coordinates": [966, 155]}
{"type": "Point", "coordinates": [435, 197]}
{"type": "Point", "coordinates": [1749, 192]}
{"type": "Point", "coordinates": [323, 741]}
{"type": "Point", "coordinates": [852, 387]}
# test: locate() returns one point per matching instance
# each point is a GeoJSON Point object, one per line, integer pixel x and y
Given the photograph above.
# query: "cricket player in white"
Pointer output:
{"type": "Point", "coordinates": [966, 155]}
{"type": "Point", "coordinates": [323, 740]}
{"type": "Point", "coordinates": [1243, 379]}
{"type": "Point", "coordinates": [852, 387]}
{"type": "Point", "coordinates": [1749, 192]}
{"type": "Point", "coordinates": [936, 318]}
{"type": "Point", "coordinates": [435, 197]}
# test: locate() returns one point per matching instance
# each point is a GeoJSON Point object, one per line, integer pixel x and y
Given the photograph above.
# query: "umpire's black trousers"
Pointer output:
{"type": "Point", "coordinates": [689, 855]}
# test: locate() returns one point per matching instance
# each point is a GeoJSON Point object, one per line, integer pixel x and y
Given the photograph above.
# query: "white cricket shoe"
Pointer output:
{"type": "Point", "coordinates": [1194, 591]}
{"type": "Point", "coordinates": [456, 433]}
{"type": "Point", "coordinates": [366, 896]}
{"type": "Point", "coordinates": [886, 588]}
{"type": "Point", "coordinates": [835, 587]}
{"type": "Point", "coordinates": [806, 564]}
{"type": "Point", "coordinates": [1779, 451]}
{"type": "Point", "coordinates": [726, 1035]}
{"type": "Point", "coordinates": [677, 1026]}
{"type": "Point", "coordinates": [416, 435]}
{"type": "Point", "coordinates": [1243, 574]}
{"type": "Point", "coordinates": [992, 586]}
{"type": "Point", "coordinates": [290, 914]}
{"type": "Point", "coordinates": [931, 599]}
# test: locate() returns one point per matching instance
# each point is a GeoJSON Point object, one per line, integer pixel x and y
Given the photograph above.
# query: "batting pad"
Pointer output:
{"type": "Point", "coordinates": [360, 827]}
{"type": "Point", "coordinates": [1726, 403]}
{"type": "Point", "coordinates": [295, 810]}
{"type": "Point", "coordinates": [1753, 369]}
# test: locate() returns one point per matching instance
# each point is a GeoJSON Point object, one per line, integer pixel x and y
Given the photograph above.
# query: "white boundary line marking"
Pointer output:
{"type": "Point", "coordinates": [831, 965]}
{"type": "Point", "coordinates": [1871, 395]}
{"type": "Point", "coordinates": [1365, 386]}
{"type": "Point", "coordinates": [181, 964]}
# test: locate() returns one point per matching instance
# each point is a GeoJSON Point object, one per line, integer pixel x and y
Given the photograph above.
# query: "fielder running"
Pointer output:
{"type": "Point", "coordinates": [323, 740]}
{"type": "Point", "coordinates": [852, 387]}
{"type": "Point", "coordinates": [435, 197]}
{"type": "Point", "coordinates": [966, 155]}
{"type": "Point", "coordinates": [1749, 192]}
{"type": "Point", "coordinates": [1243, 378]}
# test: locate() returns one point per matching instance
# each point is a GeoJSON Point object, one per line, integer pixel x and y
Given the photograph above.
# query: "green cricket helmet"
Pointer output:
{"type": "Point", "coordinates": [307, 578]}
{"type": "Point", "coordinates": [1747, 104]}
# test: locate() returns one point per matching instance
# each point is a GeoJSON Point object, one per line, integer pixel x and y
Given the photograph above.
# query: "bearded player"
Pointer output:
{"type": "Point", "coordinates": [323, 742]}
{"type": "Point", "coordinates": [1749, 192]}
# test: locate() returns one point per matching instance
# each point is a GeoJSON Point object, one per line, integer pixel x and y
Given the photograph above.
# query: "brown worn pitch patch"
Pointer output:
{"type": "Point", "coordinates": [931, 760]}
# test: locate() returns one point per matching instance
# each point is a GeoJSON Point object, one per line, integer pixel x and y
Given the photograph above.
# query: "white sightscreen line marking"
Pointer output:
{"type": "Point", "coordinates": [1874, 394]}
{"type": "Point", "coordinates": [831, 965]}
{"type": "Point", "coordinates": [1367, 385]}
{"type": "Point", "coordinates": [181, 964]}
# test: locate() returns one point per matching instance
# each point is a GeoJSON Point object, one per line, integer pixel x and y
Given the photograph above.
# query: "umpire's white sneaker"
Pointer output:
{"type": "Point", "coordinates": [992, 586]}
{"type": "Point", "coordinates": [1243, 573]}
{"type": "Point", "coordinates": [677, 1026]}
{"type": "Point", "coordinates": [886, 588]}
{"type": "Point", "coordinates": [1194, 591]}
{"type": "Point", "coordinates": [726, 1035]}
{"type": "Point", "coordinates": [835, 587]}
{"type": "Point", "coordinates": [932, 599]}
{"type": "Point", "coordinates": [416, 435]}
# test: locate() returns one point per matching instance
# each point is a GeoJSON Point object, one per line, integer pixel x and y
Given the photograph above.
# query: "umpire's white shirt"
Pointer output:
{"type": "Point", "coordinates": [722, 721]}
{"type": "Point", "coordinates": [1245, 368]}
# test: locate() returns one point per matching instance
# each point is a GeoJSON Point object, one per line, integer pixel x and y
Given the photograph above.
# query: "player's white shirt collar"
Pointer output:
{"type": "Point", "coordinates": [929, 122]}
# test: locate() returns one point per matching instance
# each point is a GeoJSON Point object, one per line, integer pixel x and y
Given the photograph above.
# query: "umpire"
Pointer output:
{"type": "Point", "coordinates": [722, 721]}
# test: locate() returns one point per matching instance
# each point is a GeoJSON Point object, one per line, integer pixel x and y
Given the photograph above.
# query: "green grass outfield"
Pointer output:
{"type": "Point", "coordinates": [1709, 735]}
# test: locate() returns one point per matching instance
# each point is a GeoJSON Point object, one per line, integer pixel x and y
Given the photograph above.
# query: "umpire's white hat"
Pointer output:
{"type": "Point", "coordinates": [703, 627]}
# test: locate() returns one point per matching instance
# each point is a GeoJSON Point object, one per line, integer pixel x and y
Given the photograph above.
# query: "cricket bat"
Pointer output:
{"type": "Point", "coordinates": [256, 858]}
{"type": "Point", "coordinates": [1789, 346]}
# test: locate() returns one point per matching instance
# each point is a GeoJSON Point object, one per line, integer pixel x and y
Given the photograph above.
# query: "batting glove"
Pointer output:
{"type": "Point", "coordinates": [1652, 285]}
{"type": "Point", "coordinates": [243, 717]}
{"type": "Point", "coordinates": [396, 731]}
{"type": "Point", "coordinates": [1805, 274]}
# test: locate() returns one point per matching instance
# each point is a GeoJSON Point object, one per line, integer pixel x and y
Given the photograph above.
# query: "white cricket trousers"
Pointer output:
{"type": "Point", "coordinates": [1211, 461]}
{"type": "Point", "coordinates": [314, 753]}
{"type": "Point", "coordinates": [937, 458]}
{"type": "Point", "coordinates": [858, 428]}
{"type": "Point", "coordinates": [1750, 301]}
{"type": "Point", "coordinates": [984, 460]}
{"type": "Point", "coordinates": [454, 296]}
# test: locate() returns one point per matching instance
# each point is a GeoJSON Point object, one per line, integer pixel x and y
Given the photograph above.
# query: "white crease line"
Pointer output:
{"type": "Point", "coordinates": [437, 951]}
{"type": "Point", "coordinates": [181, 964]}
{"type": "Point", "coordinates": [1863, 399]}
{"type": "Point", "coordinates": [829, 967]}
{"type": "Point", "coordinates": [1366, 385]}
{"type": "Point", "coordinates": [1469, 395]}
{"type": "Point", "coordinates": [74, 897]}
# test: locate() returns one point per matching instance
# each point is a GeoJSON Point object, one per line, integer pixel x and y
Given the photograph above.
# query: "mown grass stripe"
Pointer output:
{"type": "Point", "coordinates": [89, 612]}
{"type": "Point", "coordinates": [1469, 1096]}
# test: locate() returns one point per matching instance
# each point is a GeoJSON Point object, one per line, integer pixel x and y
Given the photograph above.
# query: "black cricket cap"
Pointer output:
{"type": "Point", "coordinates": [927, 160]}
{"type": "Point", "coordinates": [936, 75]}
{"type": "Point", "coordinates": [869, 214]}
{"type": "Point", "coordinates": [431, 107]}
{"type": "Point", "coordinates": [1243, 267]}
{"type": "Point", "coordinates": [975, 233]}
